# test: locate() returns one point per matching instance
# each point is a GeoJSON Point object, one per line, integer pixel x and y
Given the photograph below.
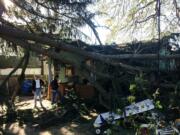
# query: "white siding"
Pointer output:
{"type": "Point", "coordinates": [29, 71]}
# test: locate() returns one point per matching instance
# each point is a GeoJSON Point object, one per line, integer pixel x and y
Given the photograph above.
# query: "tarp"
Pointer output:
{"type": "Point", "coordinates": [26, 87]}
{"type": "Point", "coordinates": [132, 109]}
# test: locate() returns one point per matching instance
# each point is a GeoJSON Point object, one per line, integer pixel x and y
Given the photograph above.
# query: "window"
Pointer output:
{"type": "Point", "coordinates": [68, 71]}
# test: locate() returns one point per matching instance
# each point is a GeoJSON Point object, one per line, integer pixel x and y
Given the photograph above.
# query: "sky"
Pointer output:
{"type": "Point", "coordinates": [102, 32]}
{"type": "Point", "coordinates": [8, 3]}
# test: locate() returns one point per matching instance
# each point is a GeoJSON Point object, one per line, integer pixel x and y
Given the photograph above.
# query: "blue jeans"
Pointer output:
{"type": "Point", "coordinates": [55, 94]}
{"type": "Point", "coordinates": [36, 95]}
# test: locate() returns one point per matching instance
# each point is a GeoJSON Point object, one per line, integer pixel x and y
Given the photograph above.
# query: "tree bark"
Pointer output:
{"type": "Point", "coordinates": [26, 61]}
{"type": "Point", "coordinates": [49, 71]}
{"type": "Point", "coordinates": [16, 33]}
{"type": "Point", "coordinates": [10, 105]}
{"type": "Point", "coordinates": [9, 32]}
{"type": "Point", "coordinates": [22, 76]}
{"type": "Point", "coordinates": [11, 73]}
{"type": "Point", "coordinates": [56, 56]}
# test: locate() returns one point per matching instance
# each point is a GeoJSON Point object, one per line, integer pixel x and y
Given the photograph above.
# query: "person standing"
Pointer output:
{"type": "Point", "coordinates": [37, 87]}
{"type": "Point", "coordinates": [55, 93]}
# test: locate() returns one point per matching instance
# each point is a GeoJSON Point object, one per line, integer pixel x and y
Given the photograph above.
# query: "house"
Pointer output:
{"type": "Point", "coordinates": [71, 77]}
{"type": "Point", "coordinates": [8, 63]}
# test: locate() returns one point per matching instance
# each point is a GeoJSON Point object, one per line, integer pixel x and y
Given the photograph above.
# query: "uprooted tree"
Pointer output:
{"type": "Point", "coordinates": [43, 26]}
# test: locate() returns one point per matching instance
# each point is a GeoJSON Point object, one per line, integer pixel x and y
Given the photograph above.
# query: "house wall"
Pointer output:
{"type": "Point", "coordinates": [62, 70]}
{"type": "Point", "coordinates": [29, 71]}
{"type": "Point", "coordinates": [62, 75]}
{"type": "Point", "coordinates": [166, 65]}
{"type": "Point", "coordinates": [46, 67]}
{"type": "Point", "coordinates": [11, 62]}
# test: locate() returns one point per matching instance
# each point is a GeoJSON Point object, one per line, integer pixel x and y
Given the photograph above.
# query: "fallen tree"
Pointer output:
{"type": "Point", "coordinates": [35, 43]}
{"type": "Point", "coordinates": [46, 42]}
{"type": "Point", "coordinates": [25, 35]}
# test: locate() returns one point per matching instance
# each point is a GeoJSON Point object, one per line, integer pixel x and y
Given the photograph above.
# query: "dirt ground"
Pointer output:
{"type": "Point", "coordinates": [69, 128]}
{"type": "Point", "coordinates": [65, 129]}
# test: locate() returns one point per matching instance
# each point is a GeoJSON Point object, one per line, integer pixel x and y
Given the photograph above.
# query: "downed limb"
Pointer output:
{"type": "Point", "coordinates": [11, 73]}
{"type": "Point", "coordinates": [19, 34]}
{"type": "Point", "coordinates": [22, 76]}
{"type": "Point", "coordinates": [16, 33]}
{"type": "Point", "coordinates": [54, 55]}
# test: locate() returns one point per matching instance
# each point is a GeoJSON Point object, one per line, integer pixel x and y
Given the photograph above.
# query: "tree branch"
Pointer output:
{"type": "Point", "coordinates": [92, 26]}
{"type": "Point", "coordinates": [146, 19]}
{"type": "Point", "coordinates": [148, 4]}
{"type": "Point", "coordinates": [12, 72]}
{"type": "Point", "coordinates": [57, 56]}
{"type": "Point", "coordinates": [19, 34]}
{"type": "Point", "coordinates": [30, 9]}
{"type": "Point", "coordinates": [27, 7]}
{"type": "Point", "coordinates": [177, 9]}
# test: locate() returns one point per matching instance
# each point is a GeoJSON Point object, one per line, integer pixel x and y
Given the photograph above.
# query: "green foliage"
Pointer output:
{"type": "Point", "coordinates": [136, 19]}
{"type": "Point", "coordinates": [158, 105]}
{"type": "Point", "coordinates": [60, 19]}
{"type": "Point", "coordinates": [109, 132]}
{"type": "Point", "coordinates": [139, 88]}
{"type": "Point", "coordinates": [131, 99]}
{"type": "Point", "coordinates": [132, 88]}
{"type": "Point", "coordinates": [119, 111]}
{"type": "Point", "coordinates": [156, 94]}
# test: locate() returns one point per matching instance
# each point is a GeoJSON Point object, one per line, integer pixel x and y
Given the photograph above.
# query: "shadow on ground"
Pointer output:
{"type": "Point", "coordinates": [28, 121]}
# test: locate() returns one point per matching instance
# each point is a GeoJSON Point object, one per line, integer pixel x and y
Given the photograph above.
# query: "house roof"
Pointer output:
{"type": "Point", "coordinates": [133, 47]}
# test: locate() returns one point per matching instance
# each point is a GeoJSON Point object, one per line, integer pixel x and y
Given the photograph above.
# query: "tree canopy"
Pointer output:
{"type": "Point", "coordinates": [130, 20]}
{"type": "Point", "coordinates": [60, 19]}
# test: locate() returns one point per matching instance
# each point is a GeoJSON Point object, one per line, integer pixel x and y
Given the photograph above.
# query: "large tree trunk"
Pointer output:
{"type": "Point", "coordinates": [11, 73]}
{"type": "Point", "coordinates": [49, 71]}
{"type": "Point", "coordinates": [22, 76]}
{"type": "Point", "coordinates": [34, 43]}
{"type": "Point", "coordinates": [59, 57]}
{"type": "Point", "coordinates": [9, 99]}
{"type": "Point", "coordinates": [16, 33]}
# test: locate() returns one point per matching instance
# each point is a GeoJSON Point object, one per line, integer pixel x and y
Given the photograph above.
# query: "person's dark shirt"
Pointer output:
{"type": "Point", "coordinates": [54, 84]}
